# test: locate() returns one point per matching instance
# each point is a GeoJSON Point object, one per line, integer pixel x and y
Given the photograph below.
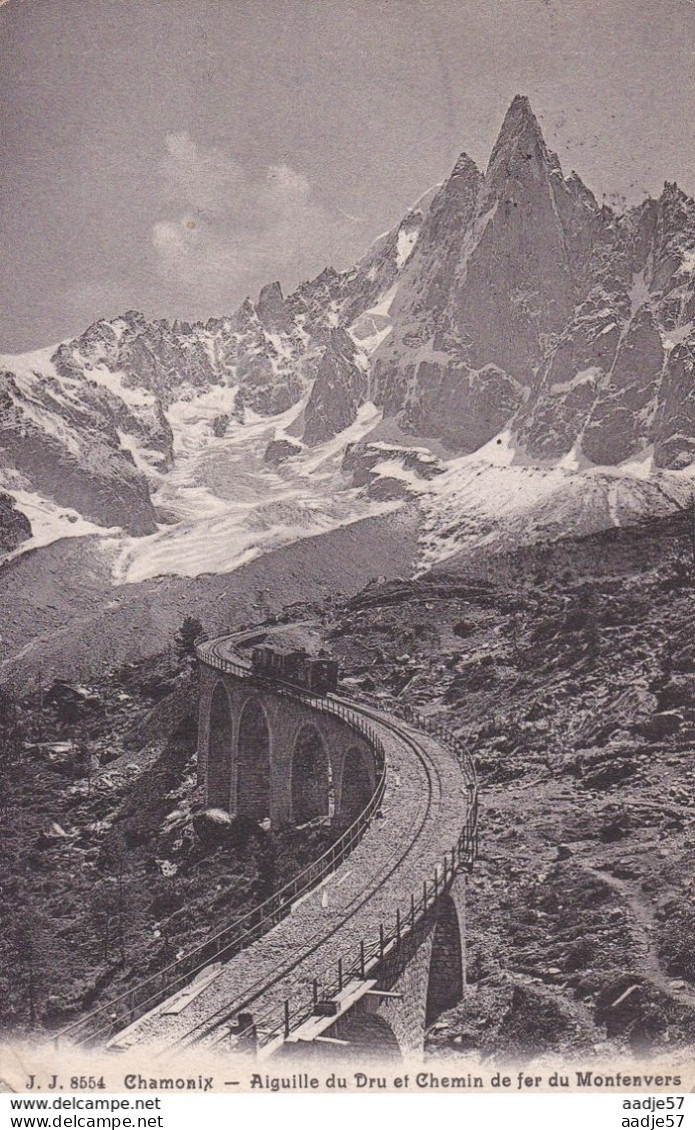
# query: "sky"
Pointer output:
{"type": "Point", "coordinates": [173, 156]}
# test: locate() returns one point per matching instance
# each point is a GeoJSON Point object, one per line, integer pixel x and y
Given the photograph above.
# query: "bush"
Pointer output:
{"type": "Point", "coordinates": [184, 640]}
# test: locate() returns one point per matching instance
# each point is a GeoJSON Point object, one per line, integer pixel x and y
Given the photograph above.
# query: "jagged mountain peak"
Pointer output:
{"type": "Point", "coordinates": [523, 281]}
{"type": "Point", "coordinates": [245, 314]}
{"type": "Point", "coordinates": [271, 309]}
{"type": "Point", "coordinates": [271, 292]}
{"type": "Point", "coordinates": [465, 167]}
{"type": "Point", "coordinates": [675, 207]}
{"type": "Point", "coordinates": [671, 191]}
{"type": "Point", "coordinates": [505, 302]}
{"type": "Point", "coordinates": [520, 140]}
{"type": "Point", "coordinates": [134, 318]}
{"type": "Point", "coordinates": [576, 186]}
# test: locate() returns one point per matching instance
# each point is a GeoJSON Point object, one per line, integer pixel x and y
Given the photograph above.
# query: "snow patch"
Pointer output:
{"type": "Point", "coordinates": [404, 246]}
{"type": "Point", "coordinates": [500, 451]}
{"type": "Point", "coordinates": [639, 466]}
{"type": "Point", "coordinates": [51, 424]}
{"type": "Point", "coordinates": [688, 261]}
{"type": "Point", "coordinates": [383, 306]}
{"type": "Point", "coordinates": [26, 365]}
{"type": "Point", "coordinates": [144, 459]}
{"type": "Point", "coordinates": [671, 338]}
{"type": "Point", "coordinates": [396, 469]}
{"type": "Point", "coordinates": [584, 376]}
{"type": "Point", "coordinates": [638, 293]}
{"type": "Point", "coordinates": [574, 460]}
{"type": "Point", "coordinates": [191, 420]}
{"type": "Point", "coordinates": [371, 341]}
{"type": "Point", "coordinates": [374, 325]}
{"type": "Point", "coordinates": [114, 381]}
{"type": "Point", "coordinates": [476, 506]}
{"type": "Point", "coordinates": [50, 522]}
{"type": "Point", "coordinates": [367, 417]}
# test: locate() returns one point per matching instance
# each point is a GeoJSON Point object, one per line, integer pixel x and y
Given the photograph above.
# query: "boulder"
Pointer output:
{"type": "Point", "coordinates": [280, 449]}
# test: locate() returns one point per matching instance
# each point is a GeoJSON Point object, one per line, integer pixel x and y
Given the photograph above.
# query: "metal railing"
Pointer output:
{"type": "Point", "coordinates": [277, 1022]}
{"type": "Point", "coordinates": [132, 1004]}
{"type": "Point", "coordinates": [225, 943]}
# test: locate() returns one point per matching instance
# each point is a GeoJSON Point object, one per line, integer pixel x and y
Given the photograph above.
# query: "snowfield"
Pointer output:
{"type": "Point", "coordinates": [477, 503]}
{"type": "Point", "coordinates": [221, 505]}
{"type": "Point", "coordinates": [230, 506]}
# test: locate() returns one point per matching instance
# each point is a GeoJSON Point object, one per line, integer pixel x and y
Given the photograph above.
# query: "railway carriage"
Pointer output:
{"type": "Point", "coordinates": [313, 674]}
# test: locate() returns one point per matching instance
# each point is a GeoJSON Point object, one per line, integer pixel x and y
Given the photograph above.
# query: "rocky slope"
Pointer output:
{"type": "Point", "coordinates": [61, 617]}
{"type": "Point", "coordinates": [14, 526]}
{"type": "Point", "coordinates": [111, 865]}
{"type": "Point", "coordinates": [567, 670]}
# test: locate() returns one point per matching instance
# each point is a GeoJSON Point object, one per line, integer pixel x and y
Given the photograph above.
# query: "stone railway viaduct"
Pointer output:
{"type": "Point", "coordinates": [366, 947]}
{"type": "Point", "coordinates": [277, 758]}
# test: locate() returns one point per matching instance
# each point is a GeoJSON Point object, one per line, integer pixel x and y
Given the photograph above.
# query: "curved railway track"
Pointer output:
{"type": "Point", "coordinates": [205, 1029]}
{"type": "Point", "coordinates": [380, 864]}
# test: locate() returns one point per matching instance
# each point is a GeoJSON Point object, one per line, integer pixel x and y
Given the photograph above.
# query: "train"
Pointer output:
{"type": "Point", "coordinates": [297, 667]}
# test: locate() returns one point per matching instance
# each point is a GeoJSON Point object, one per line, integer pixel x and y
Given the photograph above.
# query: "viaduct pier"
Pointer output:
{"type": "Point", "coordinates": [362, 950]}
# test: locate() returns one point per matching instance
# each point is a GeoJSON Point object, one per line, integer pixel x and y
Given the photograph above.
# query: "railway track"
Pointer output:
{"type": "Point", "coordinates": [272, 1018]}
{"type": "Point", "coordinates": [342, 906]}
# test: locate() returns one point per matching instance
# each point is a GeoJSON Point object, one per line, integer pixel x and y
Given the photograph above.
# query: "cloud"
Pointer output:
{"type": "Point", "coordinates": [227, 232]}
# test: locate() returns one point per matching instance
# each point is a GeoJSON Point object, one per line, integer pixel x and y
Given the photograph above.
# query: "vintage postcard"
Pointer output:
{"type": "Point", "coordinates": [347, 547]}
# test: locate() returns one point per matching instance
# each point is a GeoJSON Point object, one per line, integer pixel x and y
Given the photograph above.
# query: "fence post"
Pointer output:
{"type": "Point", "coordinates": [340, 974]}
{"type": "Point", "coordinates": [424, 894]}
{"type": "Point", "coordinates": [287, 1019]}
{"type": "Point", "coordinates": [316, 991]}
{"type": "Point", "coordinates": [381, 939]}
{"type": "Point", "coordinates": [362, 959]}
{"type": "Point", "coordinates": [398, 927]}
{"type": "Point", "coordinates": [412, 911]}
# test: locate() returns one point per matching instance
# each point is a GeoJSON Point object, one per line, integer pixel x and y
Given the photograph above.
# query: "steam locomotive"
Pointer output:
{"type": "Point", "coordinates": [317, 675]}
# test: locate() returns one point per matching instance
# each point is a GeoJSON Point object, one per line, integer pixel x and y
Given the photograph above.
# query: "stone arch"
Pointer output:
{"type": "Point", "coordinates": [357, 784]}
{"type": "Point", "coordinates": [311, 778]}
{"type": "Point", "coordinates": [220, 746]}
{"type": "Point", "coordinates": [445, 981]}
{"type": "Point", "coordinates": [253, 762]}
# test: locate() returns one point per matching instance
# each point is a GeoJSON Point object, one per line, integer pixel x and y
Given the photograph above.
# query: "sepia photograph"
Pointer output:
{"type": "Point", "coordinates": [347, 546]}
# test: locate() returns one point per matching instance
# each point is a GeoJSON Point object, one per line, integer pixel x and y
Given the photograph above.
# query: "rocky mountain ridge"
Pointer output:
{"type": "Point", "coordinates": [526, 305]}
{"type": "Point", "coordinates": [506, 303]}
{"type": "Point", "coordinates": [87, 424]}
